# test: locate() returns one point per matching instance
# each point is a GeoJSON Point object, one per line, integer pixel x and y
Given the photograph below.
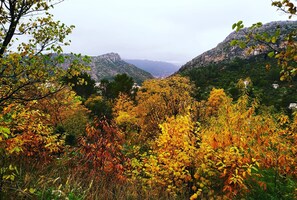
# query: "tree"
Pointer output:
{"type": "Point", "coordinates": [29, 72]}
{"type": "Point", "coordinates": [18, 17]}
{"type": "Point", "coordinates": [99, 106]}
{"type": "Point", "coordinates": [82, 84]}
{"type": "Point", "coordinates": [237, 145]}
{"type": "Point", "coordinates": [286, 6]}
{"type": "Point", "coordinates": [156, 100]}
{"type": "Point", "coordinates": [121, 83]}
{"type": "Point", "coordinates": [100, 153]}
{"type": "Point", "coordinates": [170, 163]}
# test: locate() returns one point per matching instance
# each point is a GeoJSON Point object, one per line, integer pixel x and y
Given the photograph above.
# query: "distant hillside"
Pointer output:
{"type": "Point", "coordinates": [108, 65]}
{"type": "Point", "coordinates": [156, 68]}
{"type": "Point", "coordinates": [225, 52]}
{"type": "Point", "coordinates": [225, 66]}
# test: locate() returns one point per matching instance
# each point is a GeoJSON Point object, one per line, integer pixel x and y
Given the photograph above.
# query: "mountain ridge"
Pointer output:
{"type": "Point", "coordinates": [108, 65]}
{"type": "Point", "coordinates": [230, 68]}
{"type": "Point", "coordinates": [225, 52]}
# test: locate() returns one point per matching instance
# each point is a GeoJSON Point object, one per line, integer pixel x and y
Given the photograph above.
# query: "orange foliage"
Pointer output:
{"type": "Point", "coordinates": [236, 143]}
{"type": "Point", "coordinates": [217, 98]}
{"type": "Point", "coordinates": [60, 106]}
{"type": "Point", "coordinates": [29, 135]}
{"type": "Point", "coordinates": [221, 157]}
{"type": "Point", "coordinates": [100, 153]}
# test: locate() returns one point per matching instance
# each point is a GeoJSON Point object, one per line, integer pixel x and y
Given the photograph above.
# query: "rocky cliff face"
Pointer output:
{"type": "Point", "coordinates": [225, 52]}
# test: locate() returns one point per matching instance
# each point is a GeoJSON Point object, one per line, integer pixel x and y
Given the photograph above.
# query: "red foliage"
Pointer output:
{"type": "Point", "coordinates": [101, 152]}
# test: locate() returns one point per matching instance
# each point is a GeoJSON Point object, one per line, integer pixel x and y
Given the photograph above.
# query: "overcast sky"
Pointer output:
{"type": "Point", "coordinates": [165, 30]}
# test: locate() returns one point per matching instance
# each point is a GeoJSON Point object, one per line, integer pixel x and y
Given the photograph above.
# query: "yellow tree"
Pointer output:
{"type": "Point", "coordinates": [125, 117]}
{"type": "Point", "coordinates": [65, 113]}
{"type": "Point", "coordinates": [161, 98]}
{"type": "Point", "coordinates": [60, 106]}
{"type": "Point", "coordinates": [169, 164]}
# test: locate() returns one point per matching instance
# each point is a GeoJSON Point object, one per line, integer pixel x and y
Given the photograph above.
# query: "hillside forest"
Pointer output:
{"type": "Point", "coordinates": [216, 132]}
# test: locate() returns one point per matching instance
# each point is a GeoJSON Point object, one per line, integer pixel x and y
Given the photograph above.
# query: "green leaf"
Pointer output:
{"type": "Point", "coordinates": [271, 54]}
{"type": "Point", "coordinates": [239, 23]}
{"type": "Point", "coordinates": [234, 26]}
{"type": "Point", "coordinates": [4, 131]}
{"type": "Point", "coordinates": [242, 45]}
{"type": "Point", "coordinates": [233, 42]}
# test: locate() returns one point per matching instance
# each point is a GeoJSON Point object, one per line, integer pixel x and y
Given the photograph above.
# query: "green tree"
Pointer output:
{"type": "Point", "coordinates": [121, 83]}
{"type": "Point", "coordinates": [82, 84]}
{"type": "Point", "coordinates": [99, 106]}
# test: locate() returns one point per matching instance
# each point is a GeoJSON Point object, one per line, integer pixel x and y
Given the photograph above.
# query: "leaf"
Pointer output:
{"type": "Point", "coordinates": [242, 45]}
{"type": "Point", "coordinates": [273, 39]}
{"type": "Point", "coordinates": [271, 54]}
{"type": "Point", "coordinates": [5, 131]}
{"type": "Point", "coordinates": [233, 42]}
{"type": "Point", "coordinates": [32, 190]}
{"type": "Point", "coordinates": [234, 26]}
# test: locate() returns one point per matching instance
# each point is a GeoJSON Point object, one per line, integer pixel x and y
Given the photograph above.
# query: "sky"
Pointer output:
{"type": "Point", "coordinates": [174, 31]}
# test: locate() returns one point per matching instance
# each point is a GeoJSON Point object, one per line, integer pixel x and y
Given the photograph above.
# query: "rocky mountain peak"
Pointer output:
{"type": "Point", "coordinates": [112, 57]}
{"type": "Point", "coordinates": [225, 52]}
{"type": "Point", "coordinates": [108, 65]}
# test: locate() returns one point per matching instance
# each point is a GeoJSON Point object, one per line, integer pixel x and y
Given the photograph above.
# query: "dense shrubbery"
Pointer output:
{"type": "Point", "coordinates": [155, 143]}
{"type": "Point", "coordinates": [163, 144]}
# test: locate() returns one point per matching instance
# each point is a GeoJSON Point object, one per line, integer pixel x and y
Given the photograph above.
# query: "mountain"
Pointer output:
{"type": "Point", "coordinates": [108, 65]}
{"type": "Point", "coordinates": [227, 67]}
{"type": "Point", "coordinates": [156, 68]}
{"type": "Point", "coordinates": [224, 52]}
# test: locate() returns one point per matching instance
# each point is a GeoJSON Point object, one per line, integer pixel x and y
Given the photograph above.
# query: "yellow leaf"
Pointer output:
{"type": "Point", "coordinates": [32, 190]}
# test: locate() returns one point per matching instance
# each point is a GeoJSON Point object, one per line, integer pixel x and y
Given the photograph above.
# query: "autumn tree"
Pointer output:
{"type": "Point", "coordinates": [169, 164]}
{"type": "Point", "coordinates": [125, 115]}
{"type": "Point", "coordinates": [156, 100]}
{"type": "Point", "coordinates": [237, 144]}
{"type": "Point", "coordinates": [65, 113]}
{"type": "Point", "coordinates": [100, 153]}
{"type": "Point", "coordinates": [28, 72]}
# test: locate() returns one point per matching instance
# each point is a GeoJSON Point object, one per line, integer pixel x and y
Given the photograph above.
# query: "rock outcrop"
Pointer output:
{"type": "Point", "coordinates": [225, 52]}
